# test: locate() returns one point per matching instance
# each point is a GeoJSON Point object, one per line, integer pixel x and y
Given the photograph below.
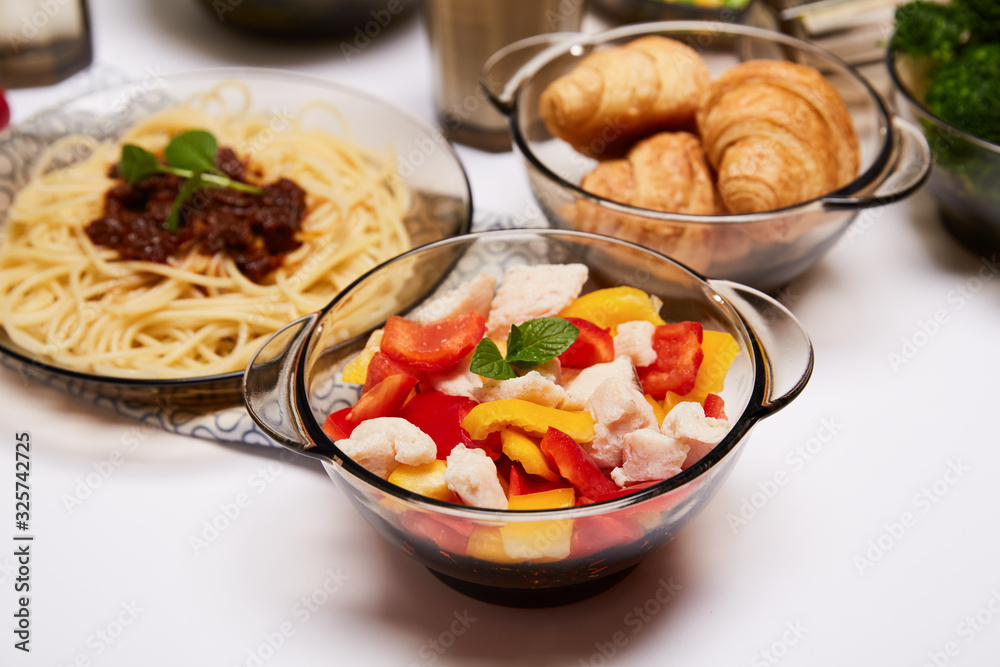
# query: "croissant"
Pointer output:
{"type": "Point", "coordinates": [777, 134]}
{"type": "Point", "coordinates": [666, 172]}
{"type": "Point", "coordinates": [616, 95]}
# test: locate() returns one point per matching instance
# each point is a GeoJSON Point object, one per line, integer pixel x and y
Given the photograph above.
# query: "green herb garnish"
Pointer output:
{"type": "Point", "coordinates": [529, 344]}
{"type": "Point", "coordinates": [488, 362]}
{"type": "Point", "coordinates": [190, 155]}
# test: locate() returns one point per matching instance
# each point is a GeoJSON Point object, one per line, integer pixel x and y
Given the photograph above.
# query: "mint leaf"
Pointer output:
{"type": "Point", "coordinates": [515, 342]}
{"type": "Point", "coordinates": [488, 362]}
{"type": "Point", "coordinates": [536, 341]}
{"type": "Point", "coordinates": [194, 150]}
{"type": "Point", "coordinates": [190, 155]}
{"type": "Point", "coordinates": [190, 186]}
{"type": "Point", "coordinates": [215, 180]}
{"type": "Point", "coordinates": [532, 343]}
{"type": "Point", "coordinates": [137, 164]}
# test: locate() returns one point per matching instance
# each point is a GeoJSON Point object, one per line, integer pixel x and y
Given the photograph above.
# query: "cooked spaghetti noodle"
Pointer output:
{"type": "Point", "coordinates": [78, 305]}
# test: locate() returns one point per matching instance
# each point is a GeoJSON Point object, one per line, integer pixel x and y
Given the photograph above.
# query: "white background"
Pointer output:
{"type": "Point", "coordinates": [822, 572]}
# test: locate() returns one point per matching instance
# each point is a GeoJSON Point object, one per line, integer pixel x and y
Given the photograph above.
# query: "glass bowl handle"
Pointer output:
{"type": "Point", "coordinates": [505, 71]}
{"type": "Point", "coordinates": [269, 391]}
{"type": "Point", "coordinates": [786, 349]}
{"type": "Point", "coordinates": [907, 170]}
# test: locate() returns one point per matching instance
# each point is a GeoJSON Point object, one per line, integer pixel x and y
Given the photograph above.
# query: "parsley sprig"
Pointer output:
{"type": "Point", "coordinates": [190, 155]}
{"type": "Point", "coordinates": [529, 344]}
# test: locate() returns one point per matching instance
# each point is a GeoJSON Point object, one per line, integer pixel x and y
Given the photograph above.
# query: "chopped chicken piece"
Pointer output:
{"type": "Point", "coordinates": [531, 386]}
{"type": "Point", "coordinates": [649, 455]}
{"type": "Point", "coordinates": [635, 341]}
{"type": "Point", "coordinates": [551, 370]}
{"type": "Point", "coordinates": [382, 443]}
{"type": "Point", "coordinates": [579, 388]}
{"type": "Point", "coordinates": [473, 476]}
{"type": "Point", "coordinates": [477, 294]}
{"type": "Point", "coordinates": [528, 292]}
{"type": "Point", "coordinates": [688, 424]}
{"type": "Point", "coordinates": [656, 302]}
{"type": "Point", "coordinates": [456, 380]}
{"type": "Point", "coordinates": [618, 409]}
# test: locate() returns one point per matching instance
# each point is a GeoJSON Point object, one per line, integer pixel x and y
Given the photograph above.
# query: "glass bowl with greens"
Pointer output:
{"type": "Point", "coordinates": [944, 60]}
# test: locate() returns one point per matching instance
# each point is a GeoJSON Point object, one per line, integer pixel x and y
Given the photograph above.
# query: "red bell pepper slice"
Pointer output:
{"type": "Point", "coordinates": [575, 464]}
{"type": "Point", "coordinates": [678, 357]}
{"type": "Point", "coordinates": [446, 537]}
{"type": "Point", "coordinates": [491, 444]}
{"type": "Point", "coordinates": [440, 416]}
{"type": "Point", "coordinates": [715, 407]}
{"type": "Point", "coordinates": [432, 346]}
{"type": "Point", "coordinates": [379, 368]}
{"type": "Point", "coordinates": [625, 491]}
{"type": "Point", "coordinates": [593, 345]}
{"type": "Point", "coordinates": [592, 534]}
{"type": "Point", "coordinates": [384, 399]}
{"type": "Point", "coordinates": [516, 481]}
{"type": "Point", "coordinates": [503, 465]}
{"type": "Point", "coordinates": [336, 425]}
{"type": "Point", "coordinates": [522, 483]}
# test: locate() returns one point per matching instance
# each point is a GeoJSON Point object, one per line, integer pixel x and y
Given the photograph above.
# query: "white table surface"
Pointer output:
{"type": "Point", "coordinates": [877, 545]}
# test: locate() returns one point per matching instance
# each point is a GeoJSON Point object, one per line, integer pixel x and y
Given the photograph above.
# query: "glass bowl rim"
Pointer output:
{"type": "Point", "coordinates": [891, 60]}
{"type": "Point", "coordinates": [689, 8]}
{"type": "Point", "coordinates": [213, 74]}
{"type": "Point", "coordinates": [739, 429]}
{"type": "Point", "coordinates": [863, 179]}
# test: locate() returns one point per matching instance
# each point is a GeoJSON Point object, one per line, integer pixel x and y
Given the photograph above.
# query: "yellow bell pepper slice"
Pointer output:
{"type": "Point", "coordinates": [540, 540]}
{"type": "Point", "coordinates": [671, 400]}
{"type": "Point", "coordinates": [530, 417]}
{"type": "Point", "coordinates": [609, 307]}
{"type": "Point", "coordinates": [357, 368]}
{"type": "Point", "coordinates": [486, 543]}
{"type": "Point", "coordinates": [426, 480]}
{"type": "Point", "coordinates": [393, 505]}
{"type": "Point", "coordinates": [719, 349]}
{"type": "Point", "coordinates": [519, 447]}
{"type": "Point", "coordinates": [658, 410]}
{"type": "Point", "coordinates": [552, 499]}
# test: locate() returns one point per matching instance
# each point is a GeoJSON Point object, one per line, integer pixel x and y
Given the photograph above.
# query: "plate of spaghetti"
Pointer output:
{"type": "Point", "coordinates": [153, 234]}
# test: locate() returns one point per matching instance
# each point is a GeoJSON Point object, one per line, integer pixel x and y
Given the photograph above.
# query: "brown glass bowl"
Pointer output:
{"type": "Point", "coordinates": [293, 384]}
{"type": "Point", "coordinates": [965, 179]}
{"type": "Point", "coordinates": [441, 203]}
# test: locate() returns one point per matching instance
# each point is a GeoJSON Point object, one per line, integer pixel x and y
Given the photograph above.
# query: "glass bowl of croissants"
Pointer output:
{"type": "Point", "coordinates": [741, 152]}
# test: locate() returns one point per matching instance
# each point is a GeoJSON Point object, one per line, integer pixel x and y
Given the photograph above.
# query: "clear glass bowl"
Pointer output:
{"type": "Point", "coordinates": [965, 179]}
{"type": "Point", "coordinates": [634, 11]}
{"type": "Point", "coordinates": [766, 249]}
{"type": "Point", "coordinates": [291, 386]}
{"type": "Point", "coordinates": [441, 204]}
